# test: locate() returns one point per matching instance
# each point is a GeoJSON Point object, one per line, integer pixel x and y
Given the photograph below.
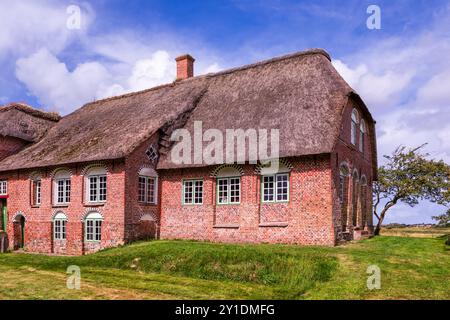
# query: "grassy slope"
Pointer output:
{"type": "Point", "coordinates": [411, 268]}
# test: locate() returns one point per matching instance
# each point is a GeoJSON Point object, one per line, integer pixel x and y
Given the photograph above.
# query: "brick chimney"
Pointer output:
{"type": "Point", "coordinates": [185, 67]}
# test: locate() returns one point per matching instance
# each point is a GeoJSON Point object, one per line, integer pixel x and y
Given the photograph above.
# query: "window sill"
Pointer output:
{"type": "Point", "coordinates": [35, 206]}
{"type": "Point", "coordinates": [62, 205]}
{"type": "Point", "coordinates": [147, 204]}
{"type": "Point", "coordinates": [275, 202]}
{"type": "Point", "coordinates": [274, 224]}
{"type": "Point", "coordinates": [94, 204]}
{"type": "Point", "coordinates": [226, 226]}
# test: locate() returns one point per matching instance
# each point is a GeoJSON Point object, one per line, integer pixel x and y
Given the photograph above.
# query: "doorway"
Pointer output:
{"type": "Point", "coordinates": [19, 232]}
{"type": "Point", "coordinates": [3, 214]}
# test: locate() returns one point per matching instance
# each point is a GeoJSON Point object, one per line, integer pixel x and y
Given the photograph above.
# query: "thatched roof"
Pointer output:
{"type": "Point", "coordinates": [301, 94]}
{"type": "Point", "coordinates": [22, 121]}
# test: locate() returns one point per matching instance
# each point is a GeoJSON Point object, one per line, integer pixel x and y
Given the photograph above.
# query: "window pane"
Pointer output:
{"type": "Point", "coordinates": [63, 229]}
{"type": "Point", "coordinates": [235, 190]}
{"type": "Point", "coordinates": [102, 191]}
{"type": "Point", "coordinates": [353, 133]}
{"type": "Point", "coordinates": [282, 187]}
{"type": "Point", "coordinates": [151, 190]}
{"type": "Point", "coordinates": [222, 190]}
{"type": "Point", "coordinates": [268, 188]}
{"type": "Point", "coordinates": [198, 198]}
{"type": "Point", "coordinates": [67, 189]}
{"type": "Point", "coordinates": [141, 189]}
{"type": "Point", "coordinates": [98, 230]}
{"type": "Point", "coordinates": [92, 189]}
{"type": "Point", "coordinates": [188, 191]}
{"type": "Point", "coordinates": [90, 230]}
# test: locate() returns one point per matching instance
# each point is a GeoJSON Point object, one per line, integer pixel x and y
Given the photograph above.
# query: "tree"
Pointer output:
{"type": "Point", "coordinates": [409, 177]}
{"type": "Point", "coordinates": [444, 219]}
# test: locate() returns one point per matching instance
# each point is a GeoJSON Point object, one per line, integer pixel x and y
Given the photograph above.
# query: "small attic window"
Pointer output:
{"type": "Point", "coordinates": [152, 153]}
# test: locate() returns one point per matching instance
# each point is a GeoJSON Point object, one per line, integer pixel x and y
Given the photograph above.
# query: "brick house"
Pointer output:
{"type": "Point", "coordinates": [104, 175]}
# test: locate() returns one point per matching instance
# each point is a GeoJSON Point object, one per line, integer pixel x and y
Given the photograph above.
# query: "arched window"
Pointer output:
{"type": "Point", "coordinates": [95, 183]}
{"type": "Point", "coordinates": [355, 196]}
{"type": "Point", "coordinates": [354, 126]}
{"type": "Point", "coordinates": [343, 176]}
{"type": "Point", "coordinates": [275, 187]}
{"type": "Point", "coordinates": [59, 226]}
{"type": "Point", "coordinates": [147, 186]}
{"type": "Point", "coordinates": [362, 135]}
{"type": "Point", "coordinates": [93, 227]}
{"type": "Point", "coordinates": [229, 186]}
{"type": "Point", "coordinates": [364, 207]}
{"type": "Point", "coordinates": [61, 187]}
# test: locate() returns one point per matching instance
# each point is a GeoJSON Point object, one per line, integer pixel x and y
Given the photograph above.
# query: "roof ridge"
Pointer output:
{"type": "Point", "coordinates": [272, 60]}
{"type": "Point", "coordinates": [211, 75]}
{"type": "Point", "coordinates": [52, 116]}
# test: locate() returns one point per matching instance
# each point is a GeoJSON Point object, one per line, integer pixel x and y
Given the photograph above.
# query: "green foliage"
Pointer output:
{"type": "Point", "coordinates": [444, 219]}
{"type": "Point", "coordinates": [409, 177]}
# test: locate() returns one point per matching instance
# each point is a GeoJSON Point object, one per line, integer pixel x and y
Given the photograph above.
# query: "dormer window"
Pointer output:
{"type": "Point", "coordinates": [152, 153]}
{"type": "Point", "coordinates": [354, 126]}
{"type": "Point", "coordinates": [3, 187]}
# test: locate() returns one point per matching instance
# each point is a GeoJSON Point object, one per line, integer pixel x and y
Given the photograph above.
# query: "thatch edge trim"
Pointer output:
{"type": "Point", "coordinates": [52, 116]}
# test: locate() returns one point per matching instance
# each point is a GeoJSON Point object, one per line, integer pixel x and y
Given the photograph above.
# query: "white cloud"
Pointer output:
{"type": "Point", "coordinates": [55, 86]}
{"type": "Point", "coordinates": [27, 25]}
{"type": "Point", "coordinates": [147, 73]}
{"type": "Point", "coordinates": [381, 90]}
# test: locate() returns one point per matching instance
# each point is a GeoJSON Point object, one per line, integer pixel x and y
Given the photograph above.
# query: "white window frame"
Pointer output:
{"type": "Point", "coordinates": [146, 199]}
{"type": "Point", "coordinates": [66, 189]}
{"type": "Point", "coordinates": [362, 135]}
{"type": "Point", "coordinates": [97, 173]}
{"type": "Point", "coordinates": [354, 127]}
{"type": "Point", "coordinates": [228, 186]}
{"type": "Point", "coordinates": [36, 192]}
{"type": "Point", "coordinates": [94, 223]}
{"type": "Point", "coordinates": [195, 185]}
{"type": "Point", "coordinates": [275, 188]}
{"type": "Point", "coordinates": [60, 221]}
{"type": "Point", "coordinates": [3, 187]}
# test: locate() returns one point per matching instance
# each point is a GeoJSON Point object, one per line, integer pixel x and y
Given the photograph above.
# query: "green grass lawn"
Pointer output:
{"type": "Point", "coordinates": [411, 268]}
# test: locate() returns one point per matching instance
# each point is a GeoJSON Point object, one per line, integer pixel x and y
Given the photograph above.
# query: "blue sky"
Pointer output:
{"type": "Point", "coordinates": [402, 71]}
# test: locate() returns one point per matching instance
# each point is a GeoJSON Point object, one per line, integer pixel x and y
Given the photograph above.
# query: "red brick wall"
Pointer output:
{"type": "Point", "coordinates": [135, 227]}
{"type": "Point", "coordinates": [306, 219]}
{"type": "Point", "coordinates": [38, 225]}
{"type": "Point", "coordinates": [362, 162]}
{"type": "Point", "coordinates": [10, 145]}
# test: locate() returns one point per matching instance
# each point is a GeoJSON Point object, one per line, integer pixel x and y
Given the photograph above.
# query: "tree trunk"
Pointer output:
{"type": "Point", "coordinates": [382, 215]}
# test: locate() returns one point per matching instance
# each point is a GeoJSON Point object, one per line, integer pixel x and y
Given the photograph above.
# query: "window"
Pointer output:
{"type": "Point", "coordinates": [93, 227]}
{"type": "Point", "coordinates": [229, 190]}
{"type": "Point", "coordinates": [343, 174]}
{"type": "Point", "coordinates": [354, 127]}
{"type": "Point", "coordinates": [147, 190]}
{"type": "Point", "coordinates": [3, 188]}
{"type": "Point", "coordinates": [36, 192]}
{"type": "Point", "coordinates": [275, 188]}
{"type": "Point", "coordinates": [193, 191]}
{"type": "Point", "coordinates": [96, 185]}
{"type": "Point", "coordinates": [362, 132]}
{"type": "Point", "coordinates": [61, 187]}
{"type": "Point", "coordinates": [152, 153]}
{"type": "Point", "coordinates": [59, 226]}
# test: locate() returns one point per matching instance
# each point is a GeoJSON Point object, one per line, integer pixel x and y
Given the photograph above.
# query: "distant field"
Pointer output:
{"type": "Point", "coordinates": [411, 268]}
{"type": "Point", "coordinates": [418, 232]}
